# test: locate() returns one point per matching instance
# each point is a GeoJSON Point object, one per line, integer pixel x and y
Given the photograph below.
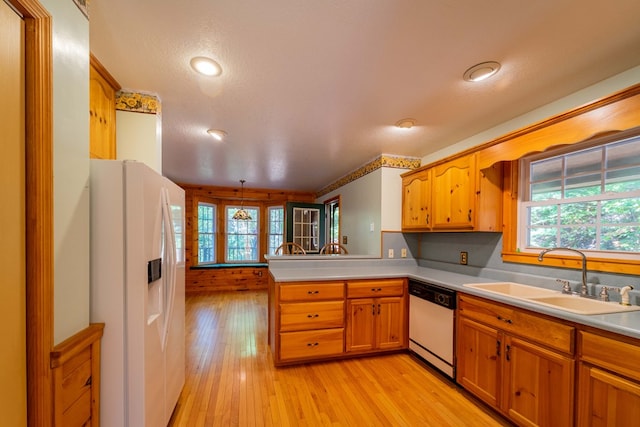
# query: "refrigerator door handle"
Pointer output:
{"type": "Point", "coordinates": [170, 278]}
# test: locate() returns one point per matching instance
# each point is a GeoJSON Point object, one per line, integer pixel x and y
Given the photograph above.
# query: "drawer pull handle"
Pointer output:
{"type": "Point", "coordinates": [376, 289]}
{"type": "Point", "coordinates": [312, 344]}
{"type": "Point", "coordinates": [509, 321]}
{"type": "Point", "coordinates": [313, 292]}
{"type": "Point", "coordinates": [311, 316]}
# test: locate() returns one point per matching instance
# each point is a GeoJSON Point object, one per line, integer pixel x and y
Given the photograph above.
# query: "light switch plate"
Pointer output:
{"type": "Point", "coordinates": [391, 253]}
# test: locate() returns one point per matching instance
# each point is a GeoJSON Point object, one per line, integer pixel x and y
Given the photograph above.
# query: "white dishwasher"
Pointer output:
{"type": "Point", "coordinates": [431, 325]}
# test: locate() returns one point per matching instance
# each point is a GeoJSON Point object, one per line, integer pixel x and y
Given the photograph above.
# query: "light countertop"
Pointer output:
{"type": "Point", "coordinates": [349, 268]}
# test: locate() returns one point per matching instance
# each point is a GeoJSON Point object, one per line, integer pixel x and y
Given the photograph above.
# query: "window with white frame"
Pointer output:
{"type": "Point", "coordinates": [242, 242]}
{"type": "Point", "coordinates": [587, 199]}
{"type": "Point", "coordinates": [275, 230]}
{"type": "Point", "coordinates": [206, 233]}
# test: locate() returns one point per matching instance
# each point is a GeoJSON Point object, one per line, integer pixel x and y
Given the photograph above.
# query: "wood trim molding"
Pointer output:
{"type": "Point", "coordinates": [39, 208]}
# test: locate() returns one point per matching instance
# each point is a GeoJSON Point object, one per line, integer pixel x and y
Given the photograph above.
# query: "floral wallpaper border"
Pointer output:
{"type": "Point", "coordinates": [137, 102]}
{"type": "Point", "coordinates": [383, 161]}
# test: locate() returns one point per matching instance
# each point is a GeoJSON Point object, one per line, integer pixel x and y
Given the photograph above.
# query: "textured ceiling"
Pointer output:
{"type": "Point", "coordinates": [311, 89]}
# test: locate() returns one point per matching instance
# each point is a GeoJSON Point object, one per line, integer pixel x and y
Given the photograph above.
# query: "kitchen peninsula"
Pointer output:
{"type": "Point", "coordinates": [595, 353]}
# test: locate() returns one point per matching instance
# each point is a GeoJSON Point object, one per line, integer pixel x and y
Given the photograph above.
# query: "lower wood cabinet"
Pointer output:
{"type": "Point", "coordinates": [319, 320]}
{"type": "Point", "coordinates": [609, 381]}
{"type": "Point", "coordinates": [503, 358]}
{"type": "Point", "coordinates": [376, 315]}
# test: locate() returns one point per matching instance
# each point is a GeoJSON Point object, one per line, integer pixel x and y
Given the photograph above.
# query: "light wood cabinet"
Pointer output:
{"type": "Point", "coordinates": [608, 381]}
{"type": "Point", "coordinates": [416, 201]}
{"type": "Point", "coordinates": [376, 315]}
{"type": "Point", "coordinates": [453, 196]}
{"type": "Point", "coordinates": [517, 362]}
{"type": "Point", "coordinates": [319, 320]}
{"type": "Point", "coordinates": [309, 321]}
{"type": "Point", "coordinates": [102, 112]}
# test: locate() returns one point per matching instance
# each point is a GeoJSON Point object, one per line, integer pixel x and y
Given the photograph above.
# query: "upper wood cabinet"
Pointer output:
{"type": "Point", "coordinates": [453, 196]}
{"type": "Point", "coordinates": [416, 201]}
{"type": "Point", "coordinates": [102, 112]}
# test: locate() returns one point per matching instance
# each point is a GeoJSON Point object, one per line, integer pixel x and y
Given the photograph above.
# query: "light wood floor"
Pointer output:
{"type": "Point", "coordinates": [231, 380]}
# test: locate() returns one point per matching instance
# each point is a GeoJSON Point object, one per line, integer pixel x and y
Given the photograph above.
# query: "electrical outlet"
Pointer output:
{"type": "Point", "coordinates": [403, 252]}
{"type": "Point", "coordinates": [391, 253]}
{"type": "Point", "coordinates": [344, 240]}
{"type": "Point", "coordinates": [463, 258]}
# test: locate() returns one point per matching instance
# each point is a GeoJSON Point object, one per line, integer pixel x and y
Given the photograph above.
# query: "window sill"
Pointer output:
{"type": "Point", "coordinates": [229, 265]}
{"type": "Point", "coordinates": [620, 266]}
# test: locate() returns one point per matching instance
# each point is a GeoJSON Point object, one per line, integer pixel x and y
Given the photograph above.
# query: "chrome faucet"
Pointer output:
{"type": "Point", "coordinates": [584, 291]}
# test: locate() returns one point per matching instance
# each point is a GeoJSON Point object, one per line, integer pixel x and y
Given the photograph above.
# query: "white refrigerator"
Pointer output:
{"type": "Point", "coordinates": [137, 290]}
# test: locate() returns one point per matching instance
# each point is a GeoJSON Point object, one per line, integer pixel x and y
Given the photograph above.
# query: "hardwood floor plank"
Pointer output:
{"type": "Point", "coordinates": [231, 380]}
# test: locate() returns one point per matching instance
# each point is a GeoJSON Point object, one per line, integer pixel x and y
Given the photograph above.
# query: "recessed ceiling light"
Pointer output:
{"type": "Point", "coordinates": [406, 123]}
{"type": "Point", "coordinates": [206, 66]}
{"type": "Point", "coordinates": [481, 71]}
{"type": "Point", "coordinates": [217, 134]}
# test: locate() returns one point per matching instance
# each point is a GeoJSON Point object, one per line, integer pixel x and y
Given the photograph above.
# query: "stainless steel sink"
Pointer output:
{"type": "Point", "coordinates": [551, 298]}
{"type": "Point", "coordinates": [516, 290]}
{"type": "Point", "coordinates": [576, 304]}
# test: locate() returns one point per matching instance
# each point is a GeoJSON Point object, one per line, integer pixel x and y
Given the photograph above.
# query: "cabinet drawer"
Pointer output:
{"type": "Point", "coordinates": [375, 288]}
{"type": "Point", "coordinates": [518, 322]}
{"type": "Point", "coordinates": [311, 291]}
{"type": "Point", "coordinates": [311, 344]}
{"type": "Point", "coordinates": [311, 315]}
{"type": "Point", "coordinates": [618, 356]}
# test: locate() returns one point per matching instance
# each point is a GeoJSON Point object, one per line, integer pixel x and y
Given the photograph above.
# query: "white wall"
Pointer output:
{"type": "Point", "coordinates": [576, 99]}
{"type": "Point", "coordinates": [139, 137]}
{"type": "Point", "coordinates": [392, 199]}
{"type": "Point", "coordinates": [70, 168]}
{"type": "Point", "coordinates": [375, 199]}
{"type": "Point", "coordinates": [360, 202]}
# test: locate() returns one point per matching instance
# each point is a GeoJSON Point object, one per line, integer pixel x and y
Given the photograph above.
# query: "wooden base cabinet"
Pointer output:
{"type": "Point", "coordinates": [378, 321]}
{"type": "Point", "coordinates": [503, 358]}
{"type": "Point", "coordinates": [608, 382]}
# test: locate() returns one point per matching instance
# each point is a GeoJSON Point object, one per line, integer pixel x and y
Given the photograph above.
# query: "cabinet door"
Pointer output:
{"type": "Point", "coordinates": [102, 117]}
{"type": "Point", "coordinates": [360, 321]}
{"type": "Point", "coordinates": [538, 385]}
{"type": "Point", "coordinates": [478, 360]}
{"type": "Point", "coordinates": [606, 399]}
{"type": "Point", "coordinates": [390, 323]}
{"type": "Point", "coordinates": [416, 201]}
{"type": "Point", "coordinates": [454, 194]}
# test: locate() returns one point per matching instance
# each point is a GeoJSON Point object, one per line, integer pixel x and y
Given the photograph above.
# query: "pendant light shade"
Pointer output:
{"type": "Point", "coordinates": [241, 214]}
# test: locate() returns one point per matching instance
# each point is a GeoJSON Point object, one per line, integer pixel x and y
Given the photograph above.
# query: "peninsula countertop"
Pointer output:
{"type": "Point", "coordinates": [291, 269]}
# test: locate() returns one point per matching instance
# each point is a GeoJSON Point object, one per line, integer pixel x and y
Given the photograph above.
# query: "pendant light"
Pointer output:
{"type": "Point", "coordinates": [241, 214]}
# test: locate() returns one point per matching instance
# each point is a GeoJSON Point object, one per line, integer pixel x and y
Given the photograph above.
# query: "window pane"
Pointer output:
{"type": "Point", "coordinates": [583, 186]}
{"type": "Point", "coordinates": [621, 211]}
{"type": "Point", "coordinates": [206, 233]}
{"type": "Point", "coordinates": [622, 180]}
{"type": "Point", "coordinates": [546, 191]}
{"type": "Point", "coordinates": [543, 215]}
{"type": "Point", "coordinates": [584, 161]}
{"type": "Point", "coordinates": [242, 235]}
{"type": "Point", "coordinates": [579, 213]}
{"type": "Point", "coordinates": [542, 237]}
{"type": "Point", "coordinates": [621, 238]}
{"type": "Point", "coordinates": [623, 153]}
{"type": "Point", "coordinates": [578, 237]}
{"type": "Point", "coordinates": [546, 170]}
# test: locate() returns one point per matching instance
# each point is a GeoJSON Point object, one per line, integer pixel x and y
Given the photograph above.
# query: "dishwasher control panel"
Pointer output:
{"type": "Point", "coordinates": [433, 293]}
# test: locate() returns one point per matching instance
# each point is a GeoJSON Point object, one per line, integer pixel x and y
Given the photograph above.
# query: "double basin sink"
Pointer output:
{"type": "Point", "coordinates": [555, 299]}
